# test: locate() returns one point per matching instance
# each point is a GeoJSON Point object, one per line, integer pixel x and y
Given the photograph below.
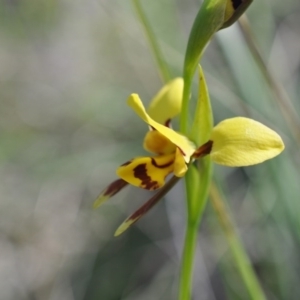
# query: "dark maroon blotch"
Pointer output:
{"type": "Point", "coordinates": [154, 163]}
{"type": "Point", "coordinates": [140, 172]}
{"type": "Point", "coordinates": [203, 150]}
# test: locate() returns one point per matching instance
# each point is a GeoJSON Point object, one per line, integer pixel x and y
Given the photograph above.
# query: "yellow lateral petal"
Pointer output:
{"type": "Point", "coordinates": [147, 172]}
{"type": "Point", "coordinates": [243, 142]}
{"type": "Point", "coordinates": [180, 167]}
{"type": "Point", "coordinates": [167, 102]}
{"type": "Point", "coordinates": [180, 141]}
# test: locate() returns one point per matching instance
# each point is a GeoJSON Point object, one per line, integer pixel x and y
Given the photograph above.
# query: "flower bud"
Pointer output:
{"type": "Point", "coordinates": [234, 9]}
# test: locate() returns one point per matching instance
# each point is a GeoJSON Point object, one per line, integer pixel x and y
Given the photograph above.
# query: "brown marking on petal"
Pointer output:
{"type": "Point", "coordinates": [140, 172]}
{"type": "Point", "coordinates": [154, 163]}
{"type": "Point", "coordinates": [126, 163]}
{"type": "Point", "coordinates": [203, 150]}
{"type": "Point", "coordinates": [115, 187]}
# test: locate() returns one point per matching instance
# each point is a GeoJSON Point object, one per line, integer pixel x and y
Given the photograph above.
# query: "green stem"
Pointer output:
{"type": "Point", "coordinates": [184, 106]}
{"type": "Point", "coordinates": [192, 227]}
{"type": "Point", "coordinates": [188, 261]}
{"type": "Point", "coordinates": [197, 195]}
{"type": "Point", "coordinates": [239, 254]}
{"type": "Point", "coordinates": [162, 66]}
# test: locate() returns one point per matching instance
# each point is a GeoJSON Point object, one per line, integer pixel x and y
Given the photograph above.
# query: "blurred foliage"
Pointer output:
{"type": "Point", "coordinates": [66, 69]}
{"type": "Point", "coordinates": [25, 17]}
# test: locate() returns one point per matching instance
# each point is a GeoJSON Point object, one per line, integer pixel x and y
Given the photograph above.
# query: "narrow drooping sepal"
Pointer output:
{"type": "Point", "coordinates": [241, 142]}
{"type": "Point", "coordinates": [184, 144]}
{"type": "Point", "coordinates": [147, 172]}
{"type": "Point", "coordinates": [146, 207]}
{"type": "Point", "coordinates": [110, 191]}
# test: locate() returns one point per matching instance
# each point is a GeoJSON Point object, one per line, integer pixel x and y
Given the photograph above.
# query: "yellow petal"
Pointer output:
{"type": "Point", "coordinates": [167, 102]}
{"type": "Point", "coordinates": [147, 172]}
{"type": "Point", "coordinates": [180, 167]}
{"type": "Point", "coordinates": [157, 143]}
{"type": "Point", "coordinates": [243, 142]}
{"type": "Point", "coordinates": [186, 146]}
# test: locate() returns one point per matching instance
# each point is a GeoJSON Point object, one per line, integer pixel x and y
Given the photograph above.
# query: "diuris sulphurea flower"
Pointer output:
{"type": "Point", "coordinates": [233, 142]}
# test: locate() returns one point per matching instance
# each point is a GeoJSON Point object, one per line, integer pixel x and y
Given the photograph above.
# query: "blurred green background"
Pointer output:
{"type": "Point", "coordinates": [66, 70]}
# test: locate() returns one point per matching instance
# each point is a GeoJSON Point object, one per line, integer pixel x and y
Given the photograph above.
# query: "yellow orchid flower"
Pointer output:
{"type": "Point", "coordinates": [172, 150]}
{"type": "Point", "coordinates": [233, 142]}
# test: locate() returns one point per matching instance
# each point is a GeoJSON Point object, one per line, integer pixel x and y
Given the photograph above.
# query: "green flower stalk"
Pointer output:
{"type": "Point", "coordinates": [212, 16]}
